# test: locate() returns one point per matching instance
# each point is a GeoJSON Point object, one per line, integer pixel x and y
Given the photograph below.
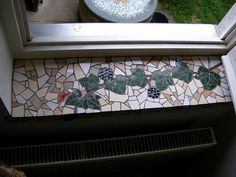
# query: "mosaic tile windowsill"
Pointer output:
{"type": "Point", "coordinates": [91, 85]}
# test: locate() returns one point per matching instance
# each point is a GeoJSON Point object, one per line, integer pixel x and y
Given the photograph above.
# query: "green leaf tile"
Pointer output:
{"type": "Point", "coordinates": [89, 101]}
{"type": "Point", "coordinates": [138, 78]}
{"type": "Point", "coordinates": [208, 78]}
{"type": "Point", "coordinates": [163, 80]}
{"type": "Point", "coordinates": [182, 72]}
{"type": "Point", "coordinates": [90, 83]}
{"type": "Point", "coordinates": [118, 85]}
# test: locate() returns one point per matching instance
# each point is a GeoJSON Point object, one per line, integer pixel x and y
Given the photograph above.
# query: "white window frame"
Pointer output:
{"type": "Point", "coordinates": [69, 40]}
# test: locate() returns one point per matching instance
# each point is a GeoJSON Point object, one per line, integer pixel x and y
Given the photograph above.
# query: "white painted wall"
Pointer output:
{"type": "Point", "coordinates": [6, 68]}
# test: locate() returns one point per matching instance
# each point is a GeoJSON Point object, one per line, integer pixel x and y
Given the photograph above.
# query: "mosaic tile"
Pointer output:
{"type": "Point", "coordinates": [27, 94]}
{"type": "Point", "coordinates": [85, 85]}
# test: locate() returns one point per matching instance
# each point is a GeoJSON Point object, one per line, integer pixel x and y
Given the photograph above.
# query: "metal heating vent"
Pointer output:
{"type": "Point", "coordinates": [74, 152]}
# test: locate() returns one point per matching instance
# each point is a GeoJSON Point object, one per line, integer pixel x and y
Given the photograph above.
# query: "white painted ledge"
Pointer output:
{"type": "Point", "coordinates": [123, 33]}
{"type": "Point", "coordinates": [227, 24]}
{"type": "Point", "coordinates": [229, 62]}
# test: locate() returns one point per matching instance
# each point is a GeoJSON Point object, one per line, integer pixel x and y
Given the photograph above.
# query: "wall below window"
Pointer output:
{"type": "Point", "coordinates": [6, 67]}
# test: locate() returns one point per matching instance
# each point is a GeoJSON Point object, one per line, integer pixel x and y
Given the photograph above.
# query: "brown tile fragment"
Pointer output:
{"type": "Point", "coordinates": [68, 85]}
{"type": "Point", "coordinates": [52, 80]}
{"type": "Point", "coordinates": [28, 65]}
{"type": "Point", "coordinates": [57, 112]}
{"type": "Point", "coordinates": [61, 62]}
{"type": "Point", "coordinates": [15, 104]}
{"type": "Point", "coordinates": [213, 95]}
{"type": "Point", "coordinates": [36, 101]}
{"type": "Point", "coordinates": [54, 72]}
{"type": "Point", "coordinates": [216, 70]}
{"type": "Point", "coordinates": [28, 74]}
{"type": "Point", "coordinates": [48, 71]}
{"type": "Point", "coordinates": [61, 79]}
{"type": "Point", "coordinates": [19, 63]}
{"type": "Point", "coordinates": [56, 90]}
{"type": "Point", "coordinates": [206, 93]}
{"type": "Point", "coordinates": [34, 78]}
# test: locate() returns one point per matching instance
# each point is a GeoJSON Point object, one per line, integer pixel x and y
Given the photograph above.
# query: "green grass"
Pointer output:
{"type": "Point", "coordinates": [197, 11]}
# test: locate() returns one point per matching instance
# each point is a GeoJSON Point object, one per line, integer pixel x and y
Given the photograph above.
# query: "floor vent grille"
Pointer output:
{"type": "Point", "coordinates": [74, 152]}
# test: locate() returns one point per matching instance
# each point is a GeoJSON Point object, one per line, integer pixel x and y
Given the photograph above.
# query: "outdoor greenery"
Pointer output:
{"type": "Point", "coordinates": [197, 11]}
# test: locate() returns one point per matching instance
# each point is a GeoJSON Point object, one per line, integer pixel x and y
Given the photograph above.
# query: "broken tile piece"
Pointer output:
{"type": "Point", "coordinates": [118, 72]}
{"type": "Point", "coordinates": [18, 111]}
{"type": "Point", "coordinates": [68, 110]}
{"type": "Point", "coordinates": [85, 67]}
{"type": "Point", "coordinates": [36, 102]}
{"type": "Point", "coordinates": [42, 80]}
{"type": "Point", "coordinates": [211, 100]}
{"type": "Point", "coordinates": [79, 74]}
{"type": "Point", "coordinates": [51, 96]}
{"type": "Point", "coordinates": [39, 66]}
{"type": "Point", "coordinates": [42, 92]}
{"type": "Point", "coordinates": [106, 108]}
{"type": "Point", "coordinates": [149, 105]}
{"type": "Point", "coordinates": [20, 99]}
{"type": "Point", "coordinates": [27, 94]}
{"type": "Point", "coordinates": [70, 70]}
{"type": "Point", "coordinates": [18, 87]}
{"type": "Point", "coordinates": [19, 77]}
{"type": "Point", "coordinates": [179, 89]}
{"type": "Point", "coordinates": [117, 97]}
{"type": "Point", "coordinates": [116, 106]}
{"type": "Point", "coordinates": [33, 85]}
{"type": "Point", "coordinates": [50, 63]}
{"type": "Point", "coordinates": [202, 100]}
{"type": "Point", "coordinates": [52, 105]}
{"type": "Point", "coordinates": [134, 105]}
{"type": "Point", "coordinates": [218, 91]}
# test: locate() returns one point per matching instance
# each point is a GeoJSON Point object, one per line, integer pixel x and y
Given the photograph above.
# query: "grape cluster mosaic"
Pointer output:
{"type": "Point", "coordinates": [91, 85]}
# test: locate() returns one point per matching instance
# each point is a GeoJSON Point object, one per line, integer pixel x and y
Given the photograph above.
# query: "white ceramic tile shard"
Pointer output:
{"type": "Point", "coordinates": [33, 85]}
{"type": "Point", "coordinates": [27, 94]}
{"type": "Point", "coordinates": [203, 100]}
{"type": "Point", "coordinates": [20, 99]}
{"type": "Point", "coordinates": [42, 80]}
{"type": "Point", "coordinates": [142, 97]}
{"type": "Point", "coordinates": [42, 92]}
{"type": "Point", "coordinates": [18, 111]}
{"type": "Point", "coordinates": [186, 101]}
{"type": "Point", "coordinates": [116, 106]}
{"type": "Point", "coordinates": [18, 87]}
{"type": "Point", "coordinates": [134, 105]}
{"type": "Point", "coordinates": [68, 110]}
{"type": "Point", "coordinates": [149, 105]}
{"type": "Point", "coordinates": [117, 97]}
{"type": "Point", "coordinates": [226, 92]}
{"type": "Point", "coordinates": [19, 77]}
{"type": "Point", "coordinates": [218, 90]}
{"type": "Point", "coordinates": [63, 70]}
{"type": "Point", "coordinates": [50, 64]}
{"type": "Point", "coordinates": [85, 67]}
{"type": "Point", "coordinates": [124, 107]}
{"type": "Point", "coordinates": [173, 63]}
{"type": "Point", "coordinates": [193, 87]}
{"type": "Point", "coordinates": [52, 105]}
{"type": "Point", "coordinates": [106, 108]}
{"type": "Point", "coordinates": [211, 100]}
{"type": "Point", "coordinates": [39, 66]}
{"type": "Point", "coordinates": [20, 70]}
{"type": "Point", "coordinates": [118, 72]}
{"type": "Point", "coordinates": [51, 96]}
{"type": "Point", "coordinates": [70, 70]}
{"type": "Point", "coordinates": [160, 65]}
